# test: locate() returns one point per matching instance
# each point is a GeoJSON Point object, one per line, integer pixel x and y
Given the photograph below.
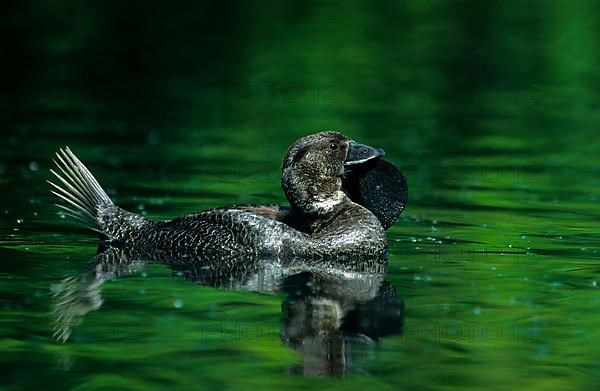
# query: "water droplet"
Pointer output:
{"type": "Point", "coordinates": [153, 137]}
{"type": "Point", "coordinates": [477, 310]}
{"type": "Point", "coordinates": [113, 161]}
{"type": "Point", "coordinates": [34, 166]}
{"type": "Point", "coordinates": [19, 221]}
{"type": "Point", "coordinates": [543, 350]}
{"type": "Point", "coordinates": [594, 283]}
{"type": "Point", "coordinates": [523, 237]}
{"type": "Point", "coordinates": [177, 303]}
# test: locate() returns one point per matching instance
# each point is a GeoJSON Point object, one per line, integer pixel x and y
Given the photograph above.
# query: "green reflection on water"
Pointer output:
{"type": "Point", "coordinates": [490, 108]}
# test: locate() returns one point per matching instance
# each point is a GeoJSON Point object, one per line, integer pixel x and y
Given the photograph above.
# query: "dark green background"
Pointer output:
{"type": "Point", "coordinates": [491, 108]}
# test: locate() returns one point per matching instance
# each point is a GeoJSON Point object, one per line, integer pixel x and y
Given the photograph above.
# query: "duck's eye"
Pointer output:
{"type": "Point", "coordinates": [333, 146]}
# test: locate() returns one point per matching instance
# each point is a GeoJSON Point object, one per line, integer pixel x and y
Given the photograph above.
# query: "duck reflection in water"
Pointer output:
{"type": "Point", "coordinates": [334, 322]}
{"type": "Point", "coordinates": [333, 314]}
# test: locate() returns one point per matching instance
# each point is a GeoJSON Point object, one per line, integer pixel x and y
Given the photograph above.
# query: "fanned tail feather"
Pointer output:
{"type": "Point", "coordinates": [79, 189]}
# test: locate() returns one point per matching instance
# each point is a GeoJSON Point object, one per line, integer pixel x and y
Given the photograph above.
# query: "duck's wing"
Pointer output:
{"type": "Point", "coordinates": [226, 233]}
{"type": "Point", "coordinates": [284, 214]}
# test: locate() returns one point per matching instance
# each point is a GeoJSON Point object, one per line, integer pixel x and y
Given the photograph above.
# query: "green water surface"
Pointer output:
{"type": "Point", "coordinates": [491, 109]}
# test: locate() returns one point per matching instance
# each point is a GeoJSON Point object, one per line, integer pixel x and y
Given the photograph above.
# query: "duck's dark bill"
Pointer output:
{"type": "Point", "coordinates": [361, 153]}
{"type": "Point", "coordinates": [379, 186]}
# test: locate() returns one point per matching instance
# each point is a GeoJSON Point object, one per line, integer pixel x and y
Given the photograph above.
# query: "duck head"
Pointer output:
{"type": "Point", "coordinates": [323, 171]}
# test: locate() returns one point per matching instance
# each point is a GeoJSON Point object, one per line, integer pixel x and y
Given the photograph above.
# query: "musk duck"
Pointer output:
{"type": "Point", "coordinates": [342, 197]}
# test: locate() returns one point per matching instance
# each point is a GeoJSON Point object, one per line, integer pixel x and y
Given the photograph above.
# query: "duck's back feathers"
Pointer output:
{"type": "Point", "coordinates": [284, 214]}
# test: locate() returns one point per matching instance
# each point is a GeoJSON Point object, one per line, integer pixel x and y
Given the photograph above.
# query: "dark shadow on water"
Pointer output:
{"type": "Point", "coordinates": [334, 313]}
